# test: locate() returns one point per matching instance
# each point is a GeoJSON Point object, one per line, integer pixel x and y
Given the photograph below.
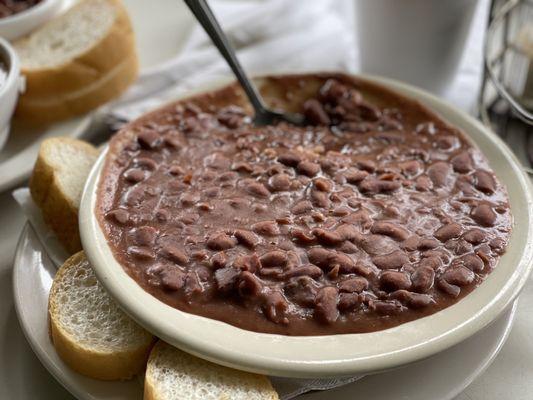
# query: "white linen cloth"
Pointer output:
{"type": "Point", "coordinates": [269, 36]}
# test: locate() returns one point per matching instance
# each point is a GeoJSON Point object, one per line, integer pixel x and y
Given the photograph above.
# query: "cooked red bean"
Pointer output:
{"type": "Point", "coordinates": [448, 231]}
{"type": "Point", "coordinates": [274, 258]}
{"type": "Point", "coordinates": [348, 232]}
{"type": "Point", "coordinates": [484, 215]}
{"type": "Point", "coordinates": [326, 305]}
{"type": "Point", "coordinates": [473, 262]}
{"type": "Point", "coordinates": [302, 207]}
{"type": "Point", "coordinates": [226, 278]}
{"type": "Point", "coordinates": [119, 215]}
{"type": "Point", "coordinates": [394, 280]}
{"type": "Point", "coordinates": [349, 301]}
{"type": "Point", "coordinates": [135, 175]}
{"type": "Point", "coordinates": [414, 300]}
{"type": "Point", "coordinates": [307, 270]}
{"type": "Point", "coordinates": [354, 176]}
{"type": "Point", "coordinates": [390, 229]}
{"type": "Point", "coordinates": [391, 307]}
{"type": "Point", "coordinates": [280, 182]}
{"type": "Point", "coordinates": [353, 285]}
{"type": "Point", "coordinates": [276, 307]}
{"type": "Point", "coordinates": [221, 241]}
{"type": "Point", "coordinates": [324, 185]}
{"type": "Point", "coordinates": [448, 288]}
{"type": "Point", "coordinates": [459, 276]}
{"type": "Point", "coordinates": [462, 162]}
{"type": "Point", "coordinates": [289, 159]}
{"type": "Point", "coordinates": [439, 173]}
{"type": "Point", "coordinates": [141, 253]}
{"type": "Point", "coordinates": [247, 238]}
{"type": "Point", "coordinates": [320, 256]}
{"type": "Point", "coordinates": [422, 279]}
{"type": "Point", "coordinates": [427, 244]}
{"type": "Point", "coordinates": [249, 285]}
{"type": "Point", "coordinates": [320, 199]}
{"type": "Point", "coordinates": [149, 139]}
{"type": "Point", "coordinates": [485, 181]}
{"type": "Point", "coordinates": [172, 279]}
{"type": "Point", "coordinates": [475, 236]}
{"type": "Point", "coordinates": [266, 228]}
{"type": "Point", "coordinates": [219, 260]}
{"type": "Point", "coordinates": [374, 186]}
{"type": "Point", "coordinates": [255, 188]}
{"type": "Point", "coordinates": [378, 244]}
{"type": "Point", "coordinates": [315, 114]}
{"type": "Point", "coordinates": [302, 290]}
{"type": "Point", "coordinates": [396, 259]}
{"type": "Point", "coordinates": [327, 238]}
{"type": "Point", "coordinates": [174, 253]}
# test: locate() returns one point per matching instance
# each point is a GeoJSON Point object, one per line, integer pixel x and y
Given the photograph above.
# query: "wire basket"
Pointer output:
{"type": "Point", "coordinates": [508, 73]}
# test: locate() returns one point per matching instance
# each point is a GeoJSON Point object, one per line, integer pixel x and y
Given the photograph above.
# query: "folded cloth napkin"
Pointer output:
{"type": "Point", "coordinates": [287, 388]}
{"type": "Point", "coordinates": [269, 36]}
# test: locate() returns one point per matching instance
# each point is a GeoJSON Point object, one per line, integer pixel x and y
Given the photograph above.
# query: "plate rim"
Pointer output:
{"type": "Point", "coordinates": [136, 302]}
{"type": "Point", "coordinates": [73, 386]}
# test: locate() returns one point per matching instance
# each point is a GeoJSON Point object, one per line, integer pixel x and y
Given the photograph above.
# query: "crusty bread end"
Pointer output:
{"type": "Point", "coordinates": [57, 182]}
{"type": "Point", "coordinates": [172, 374]}
{"type": "Point", "coordinates": [89, 331]}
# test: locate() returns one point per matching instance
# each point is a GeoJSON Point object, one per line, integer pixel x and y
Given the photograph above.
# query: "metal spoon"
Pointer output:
{"type": "Point", "coordinates": [263, 115]}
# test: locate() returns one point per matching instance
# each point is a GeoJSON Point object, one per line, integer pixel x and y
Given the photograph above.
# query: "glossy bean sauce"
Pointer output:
{"type": "Point", "coordinates": [375, 214]}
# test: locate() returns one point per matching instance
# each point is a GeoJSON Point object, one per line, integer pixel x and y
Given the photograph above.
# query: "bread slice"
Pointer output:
{"type": "Point", "coordinates": [77, 61]}
{"type": "Point", "coordinates": [57, 182]}
{"type": "Point", "coordinates": [172, 374]}
{"type": "Point", "coordinates": [89, 331]}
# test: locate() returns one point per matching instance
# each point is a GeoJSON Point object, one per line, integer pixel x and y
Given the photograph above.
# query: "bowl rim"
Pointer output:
{"type": "Point", "coordinates": [13, 72]}
{"type": "Point", "coordinates": [37, 9]}
{"type": "Point", "coordinates": [334, 355]}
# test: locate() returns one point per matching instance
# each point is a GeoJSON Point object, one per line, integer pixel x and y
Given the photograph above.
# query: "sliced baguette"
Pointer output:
{"type": "Point", "coordinates": [172, 374]}
{"type": "Point", "coordinates": [56, 185]}
{"type": "Point", "coordinates": [77, 61]}
{"type": "Point", "coordinates": [89, 331]}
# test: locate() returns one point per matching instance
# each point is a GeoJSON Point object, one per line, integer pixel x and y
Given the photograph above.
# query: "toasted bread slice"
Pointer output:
{"type": "Point", "coordinates": [89, 331]}
{"type": "Point", "coordinates": [56, 185]}
{"type": "Point", "coordinates": [77, 61]}
{"type": "Point", "coordinates": [172, 374]}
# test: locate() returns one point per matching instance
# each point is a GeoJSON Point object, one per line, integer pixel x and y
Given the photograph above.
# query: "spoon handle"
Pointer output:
{"type": "Point", "coordinates": [206, 18]}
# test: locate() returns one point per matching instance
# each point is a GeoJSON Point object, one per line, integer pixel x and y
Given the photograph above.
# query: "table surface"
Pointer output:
{"type": "Point", "coordinates": [23, 377]}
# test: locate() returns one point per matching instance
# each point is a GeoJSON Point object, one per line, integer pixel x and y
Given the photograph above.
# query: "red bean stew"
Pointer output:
{"type": "Point", "coordinates": [12, 7]}
{"type": "Point", "coordinates": [375, 214]}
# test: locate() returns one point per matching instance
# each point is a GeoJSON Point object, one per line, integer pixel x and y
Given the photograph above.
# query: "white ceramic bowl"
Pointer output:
{"type": "Point", "coordinates": [9, 90]}
{"type": "Point", "coordinates": [335, 355]}
{"type": "Point", "coordinates": [24, 22]}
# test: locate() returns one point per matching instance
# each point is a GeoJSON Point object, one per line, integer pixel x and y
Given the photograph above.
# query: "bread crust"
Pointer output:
{"type": "Point", "coordinates": [151, 392]}
{"type": "Point", "coordinates": [86, 361]}
{"type": "Point", "coordinates": [58, 210]}
{"type": "Point", "coordinates": [87, 68]}
{"type": "Point", "coordinates": [57, 108]}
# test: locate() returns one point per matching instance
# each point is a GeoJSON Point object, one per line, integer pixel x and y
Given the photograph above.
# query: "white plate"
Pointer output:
{"type": "Point", "coordinates": [440, 377]}
{"type": "Point", "coordinates": [334, 355]}
{"type": "Point", "coordinates": [166, 22]}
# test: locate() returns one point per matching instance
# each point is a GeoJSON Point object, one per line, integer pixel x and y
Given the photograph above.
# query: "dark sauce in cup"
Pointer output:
{"type": "Point", "coordinates": [12, 7]}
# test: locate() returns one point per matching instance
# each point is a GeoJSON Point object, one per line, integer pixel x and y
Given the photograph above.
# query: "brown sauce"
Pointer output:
{"type": "Point", "coordinates": [375, 214]}
{"type": "Point", "coordinates": [12, 7]}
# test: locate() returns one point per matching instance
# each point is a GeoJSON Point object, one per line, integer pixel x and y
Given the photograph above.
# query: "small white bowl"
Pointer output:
{"type": "Point", "coordinates": [9, 90]}
{"type": "Point", "coordinates": [335, 355]}
{"type": "Point", "coordinates": [22, 23]}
